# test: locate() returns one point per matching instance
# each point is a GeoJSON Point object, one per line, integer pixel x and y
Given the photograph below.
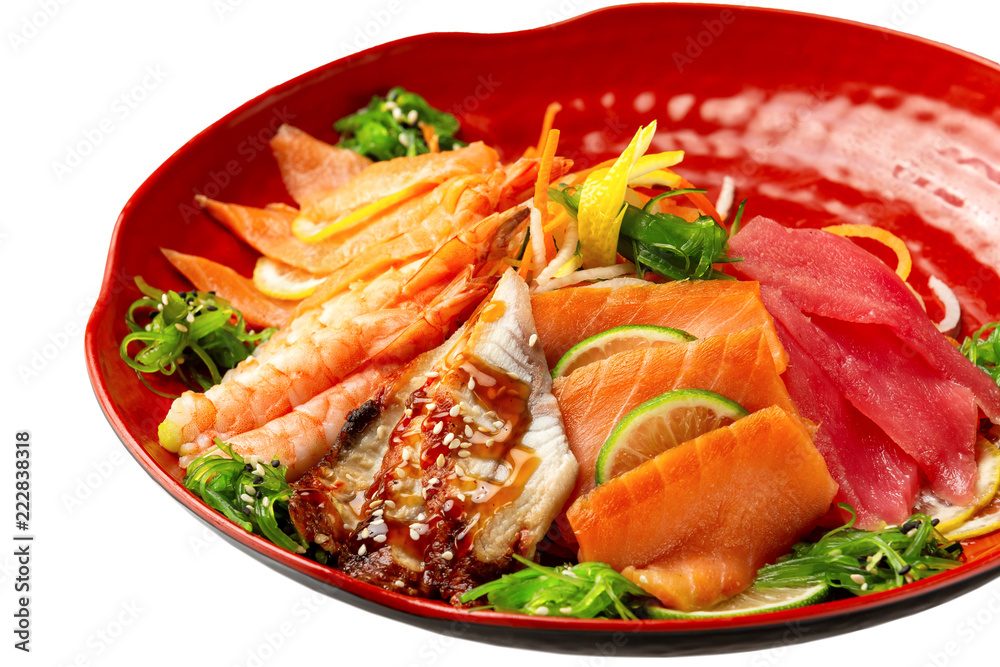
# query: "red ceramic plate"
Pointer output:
{"type": "Point", "coordinates": [818, 120]}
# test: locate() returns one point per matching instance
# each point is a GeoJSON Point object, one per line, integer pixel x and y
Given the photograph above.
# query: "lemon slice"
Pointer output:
{"type": "Point", "coordinates": [660, 424]}
{"type": "Point", "coordinates": [751, 601]}
{"type": "Point", "coordinates": [313, 231]}
{"type": "Point", "coordinates": [602, 203]}
{"type": "Point", "coordinates": [952, 517]}
{"type": "Point", "coordinates": [983, 515]}
{"type": "Point", "coordinates": [613, 341]}
{"type": "Point", "coordinates": [281, 281]}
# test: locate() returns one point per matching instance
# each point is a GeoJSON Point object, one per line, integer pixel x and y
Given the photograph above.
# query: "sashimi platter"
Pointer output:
{"type": "Point", "coordinates": [690, 359]}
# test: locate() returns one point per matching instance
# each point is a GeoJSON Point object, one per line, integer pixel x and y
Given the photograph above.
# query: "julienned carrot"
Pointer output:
{"type": "Point", "coordinates": [541, 200]}
{"type": "Point", "coordinates": [701, 202]}
{"type": "Point", "coordinates": [547, 123]}
{"type": "Point", "coordinates": [525, 263]}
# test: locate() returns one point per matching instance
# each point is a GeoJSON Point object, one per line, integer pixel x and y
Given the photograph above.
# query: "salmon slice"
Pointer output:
{"type": "Point", "coordinates": [702, 308]}
{"type": "Point", "coordinates": [694, 525]}
{"type": "Point", "coordinates": [386, 178]}
{"type": "Point", "coordinates": [311, 168]}
{"type": "Point", "coordinates": [593, 399]}
{"type": "Point", "coordinates": [258, 309]}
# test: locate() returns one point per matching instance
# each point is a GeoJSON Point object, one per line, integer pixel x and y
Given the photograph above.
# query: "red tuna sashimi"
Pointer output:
{"type": "Point", "coordinates": [877, 478]}
{"type": "Point", "coordinates": [829, 275]}
{"type": "Point", "coordinates": [932, 419]}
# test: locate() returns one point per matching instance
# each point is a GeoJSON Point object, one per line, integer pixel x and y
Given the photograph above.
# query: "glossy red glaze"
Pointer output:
{"type": "Point", "coordinates": [499, 85]}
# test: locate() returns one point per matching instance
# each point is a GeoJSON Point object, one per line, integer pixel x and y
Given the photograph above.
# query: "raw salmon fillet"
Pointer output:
{"type": "Point", "coordinates": [694, 525]}
{"type": "Point", "coordinates": [593, 399]}
{"type": "Point", "coordinates": [311, 168]}
{"type": "Point", "coordinates": [702, 308]}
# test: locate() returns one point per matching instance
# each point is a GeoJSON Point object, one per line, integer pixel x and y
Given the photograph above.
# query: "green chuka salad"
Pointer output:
{"type": "Point", "coordinates": [197, 335]}
{"type": "Point", "coordinates": [392, 126]}
{"type": "Point", "coordinates": [666, 244]}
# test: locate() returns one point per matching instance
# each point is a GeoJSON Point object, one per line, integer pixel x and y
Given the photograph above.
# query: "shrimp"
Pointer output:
{"type": "Point", "coordinates": [316, 361]}
{"type": "Point", "coordinates": [301, 437]}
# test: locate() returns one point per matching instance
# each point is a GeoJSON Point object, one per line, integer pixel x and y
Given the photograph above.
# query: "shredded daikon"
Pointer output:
{"type": "Point", "coordinates": [726, 197]}
{"type": "Point", "coordinates": [537, 241]}
{"type": "Point", "coordinates": [601, 273]}
{"type": "Point", "coordinates": [622, 281]}
{"type": "Point", "coordinates": [952, 309]}
{"type": "Point", "coordinates": [565, 253]}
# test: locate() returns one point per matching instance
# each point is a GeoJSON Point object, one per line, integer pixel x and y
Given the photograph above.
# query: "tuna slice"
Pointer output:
{"type": "Point", "coordinates": [929, 417]}
{"type": "Point", "coordinates": [694, 525]}
{"type": "Point", "coordinates": [702, 308]}
{"type": "Point", "coordinates": [436, 483]}
{"type": "Point", "coordinates": [875, 476]}
{"type": "Point", "coordinates": [825, 274]}
{"type": "Point", "coordinates": [593, 399]}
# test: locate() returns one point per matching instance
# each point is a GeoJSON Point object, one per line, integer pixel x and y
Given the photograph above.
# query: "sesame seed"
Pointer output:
{"type": "Point", "coordinates": [378, 512]}
{"type": "Point", "coordinates": [460, 471]}
{"type": "Point", "coordinates": [258, 480]}
{"type": "Point", "coordinates": [412, 117]}
{"type": "Point", "coordinates": [490, 442]}
{"type": "Point", "coordinates": [467, 420]}
{"type": "Point", "coordinates": [275, 463]}
{"type": "Point", "coordinates": [252, 491]}
{"type": "Point", "coordinates": [266, 502]}
{"type": "Point", "coordinates": [542, 611]}
{"type": "Point", "coordinates": [375, 503]}
{"type": "Point", "coordinates": [468, 432]}
{"type": "Point", "coordinates": [447, 555]}
{"type": "Point", "coordinates": [362, 550]}
{"type": "Point", "coordinates": [643, 579]}
{"type": "Point", "coordinates": [565, 610]}
{"type": "Point", "coordinates": [405, 140]}
{"type": "Point", "coordinates": [322, 539]}
{"type": "Point", "coordinates": [248, 511]}
{"type": "Point", "coordinates": [377, 522]}
{"type": "Point", "coordinates": [163, 298]}
{"type": "Point", "coordinates": [379, 538]}
{"type": "Point", "coordinates": [465, 453]}
{"type": "Point", "coordinates": [465, 445]}
{"type": "Point", "coordinates": [455, 445]}
{"type": "Point", "coordinates": [440, 459]}
{"type": "Point", "coordinates": [448, 437]}
{"type": "Point", "coordinates": [381, 431]}
{"type": "Point", "coordinates": [482, 429]}
{"type": "Point", "coordinates": [864, 587]}
{"type": "Point", "coordinates": [857, 578]}
{"type": "Point", "coordinates": [398, 583]}
{"type": "Point", "coordinates": [405, 455]}
{"type": "Point", "coordinates": [408, 412]}
{"type": "Point", "coordinates": [397, 114]}
{"type": "Point", "coordinates": [390, 504]}
{"type": "Point", "coordinates": [432, 406]}
{"type": "Point", "coordinates": [246, 497]}
{"type": "Point", "coordinates": [438, 427]}
{"type": "Point", "coordinates": [532, 340]}
{"type": "Point", "coordinates": [400, 472]}
{"type": "Point", "coordinates": [414, 535]}
{"type": "Point", "coordinates": [254, 460]}
{"type": "Point", "coordinates": [906, 568]}
{"type": "Point", "coordinates": [180, 327]}
{"type": "Point", "coordinates": [365, 533]}
{"type": "Point", "coordinates": [472, 383]}
{"type": "Point", "coordinates": [498, 424]}
{"type": "Point", "coordinates": [433, 374]}
{"type": "Point", "coordinates": [454, 411]}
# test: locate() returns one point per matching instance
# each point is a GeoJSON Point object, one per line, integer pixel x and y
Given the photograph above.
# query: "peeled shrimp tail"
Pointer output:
{"type": "Point", "coordinates": [301, 437]}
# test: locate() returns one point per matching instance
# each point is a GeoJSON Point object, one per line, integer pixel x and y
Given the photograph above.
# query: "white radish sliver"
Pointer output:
{"type": "Point", "coordinates": [565, 253]}
{"type": "Point", "coordinates": [952, 309]}
{"type": "Point", "coordinates": [726, 197]}
{"type": "Point", "coordinates": [602, 273]}
{"type": "Point", "coordinates": [622, 281]}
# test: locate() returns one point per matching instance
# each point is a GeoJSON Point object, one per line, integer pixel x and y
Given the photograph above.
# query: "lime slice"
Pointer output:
{"type": "Point", "coordinates": [660, 424]}
{"type": "Point", "coordinates": [952, 517]}
{"type": "Point", "coordinates": [281, 281]}
{"type": "Point", "coordinates": [751, 601]}
{"type": "Point", "coordinates": [619, 339]}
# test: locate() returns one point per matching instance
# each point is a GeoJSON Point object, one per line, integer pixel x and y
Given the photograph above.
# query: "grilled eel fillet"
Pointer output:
{"type": "Point", "coordinates": [433, 485]}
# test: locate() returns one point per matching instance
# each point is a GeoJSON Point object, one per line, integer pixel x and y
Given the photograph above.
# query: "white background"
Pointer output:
{"type": "Point", "coordinates": [121, 574]}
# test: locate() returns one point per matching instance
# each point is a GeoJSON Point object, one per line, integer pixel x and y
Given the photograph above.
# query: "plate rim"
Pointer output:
{"type": "Point", "coordinates": [915, 596]}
